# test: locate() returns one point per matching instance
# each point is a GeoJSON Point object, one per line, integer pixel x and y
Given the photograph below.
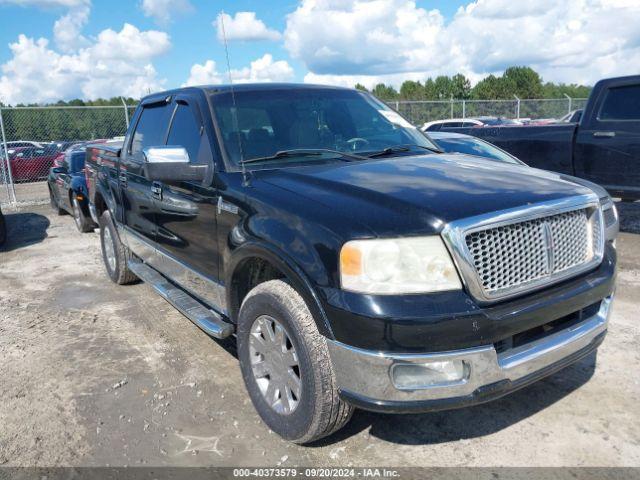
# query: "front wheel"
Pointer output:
{"type": "Point", "coordinates": [114, 254]}
{"type": "Point", "coordinates": [286, 366]}
{"type": "Point", "coordinates": [83, 223]}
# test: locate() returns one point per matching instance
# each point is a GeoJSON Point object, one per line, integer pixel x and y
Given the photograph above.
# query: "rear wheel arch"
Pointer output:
{"type": "Point", "coordinates": [272, 264]}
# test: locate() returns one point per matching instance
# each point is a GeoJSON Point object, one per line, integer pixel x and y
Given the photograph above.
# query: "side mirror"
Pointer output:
{"type": "Point", "coordinates": [171, 163]}
{"type": "Point", "coordinates": [58, 170]}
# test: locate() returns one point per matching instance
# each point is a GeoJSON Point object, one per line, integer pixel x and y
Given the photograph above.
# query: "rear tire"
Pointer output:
{"type": "Point", "coordinates": [278, 309]}
{"type": "Point", "coordinates": [83, 223]}
{"type": "Point", "coordinates": [114, 254]}
{"type": "Point", "coordinates": [54, 203]}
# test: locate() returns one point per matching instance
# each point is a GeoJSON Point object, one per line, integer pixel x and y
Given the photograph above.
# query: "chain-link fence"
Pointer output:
{"type": "Point", "coordinates": [422, 111]}
{"type": "Point", "coordinates": [34, 140]}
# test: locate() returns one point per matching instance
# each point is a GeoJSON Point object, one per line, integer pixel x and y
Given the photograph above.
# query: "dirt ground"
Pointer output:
{"type": "Point", "coordinates": [96, 374]}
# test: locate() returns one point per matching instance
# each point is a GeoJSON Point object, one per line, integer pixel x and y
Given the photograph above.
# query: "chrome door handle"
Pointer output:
{"type": "Point", "coordinates": [123, 179]}
{"type": "Point", "coordinates": [604, 134]}
{"type": "Point", "coordinates": [156, 190]}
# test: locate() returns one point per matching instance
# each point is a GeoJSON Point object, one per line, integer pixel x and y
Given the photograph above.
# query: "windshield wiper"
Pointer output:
{"type": "Point", "coordinates": [302, 152]}
{"type": "Point", "coordinates": [401, 148]}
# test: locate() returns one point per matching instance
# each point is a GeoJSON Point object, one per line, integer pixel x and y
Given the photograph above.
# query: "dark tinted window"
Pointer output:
{"type": "Point", "coordinates": [151, 128]}
{"type": "Point", "coordinates": [76, 161]}
{"type": "Point", "coordinates": [621, 103]}
{"type": "Point", "coordinates": [185, 132]}
{"type": "Point", "coordinates": [452, 124]}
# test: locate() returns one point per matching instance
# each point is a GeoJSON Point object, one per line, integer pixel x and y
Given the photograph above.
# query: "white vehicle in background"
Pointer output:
{"type": "Point", "coordinates": [450, 123]}
{"type": "Point", "coordinates": [484, 121]}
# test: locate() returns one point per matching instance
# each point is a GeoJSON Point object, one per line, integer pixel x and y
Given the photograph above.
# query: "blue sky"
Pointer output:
{"type": "Point", "coordinates": [52, 49]}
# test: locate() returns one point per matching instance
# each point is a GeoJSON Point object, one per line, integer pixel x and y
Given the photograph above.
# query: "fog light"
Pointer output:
{"type": "Point", "coordinates": [413, 376]}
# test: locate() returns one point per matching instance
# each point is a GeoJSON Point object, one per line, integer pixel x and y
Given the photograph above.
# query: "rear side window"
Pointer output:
{"type": "Point", "coordinates": [151, 128]}
{"type": "Point", "coordinates": [185, 132]}
{"type": "Point", "coordinates": [621, 103]}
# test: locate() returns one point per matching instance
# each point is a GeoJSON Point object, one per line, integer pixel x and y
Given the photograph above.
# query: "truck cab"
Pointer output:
{"type": "Point", "coordinates": [607, 142]}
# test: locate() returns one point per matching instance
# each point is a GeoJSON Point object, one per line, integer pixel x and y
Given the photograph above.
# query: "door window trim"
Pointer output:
{"type": "Point", "coordinates": [605, 94]}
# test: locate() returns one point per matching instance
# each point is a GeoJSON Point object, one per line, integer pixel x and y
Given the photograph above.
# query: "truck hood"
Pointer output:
{"type": "Point", "coordinates": [420, 194]}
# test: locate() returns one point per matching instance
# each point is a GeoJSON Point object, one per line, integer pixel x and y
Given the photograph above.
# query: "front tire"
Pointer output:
{"type": "Point", "coordinates": [286, 366]}
{"type": "Point", "coordinates": [114, 254]}
{"type": "Point", "coordinates": [83, 223]}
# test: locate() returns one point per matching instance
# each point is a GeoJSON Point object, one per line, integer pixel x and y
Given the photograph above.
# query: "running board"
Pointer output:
{"type": "Point", "coordinates": [208, 320]}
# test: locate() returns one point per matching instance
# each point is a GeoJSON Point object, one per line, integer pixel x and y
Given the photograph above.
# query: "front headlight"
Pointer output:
{"type": "Point", "coordinates": [397, 266]}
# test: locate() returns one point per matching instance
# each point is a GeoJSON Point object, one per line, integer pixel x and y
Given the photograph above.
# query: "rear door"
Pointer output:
{"type": "Point", "coordinates": [608, 140]}
{"type": "Point", "coordinates": [186, 211]}
{"type": "Point", "coordinates": [138, 206]}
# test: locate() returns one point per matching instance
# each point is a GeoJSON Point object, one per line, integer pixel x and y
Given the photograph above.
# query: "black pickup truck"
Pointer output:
{"type": "Point", "coordinates": [356, 264]}
{"type": "Point", "coordinates": [604, 147]}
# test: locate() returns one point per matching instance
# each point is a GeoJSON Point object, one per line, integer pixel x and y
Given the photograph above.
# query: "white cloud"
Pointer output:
{"type": "Point", "coordinates": [113, 64]}
{"type": "Point", "coordinates": [163, 10]}
{"type": "Point", "coordinates": [244, 26]}
{"type": "Point", "coordinates": [391, 40]}
{"type": "Point", "coordinates": [263, 69]}
{"type": "Point", "coordinates": [66, 30]}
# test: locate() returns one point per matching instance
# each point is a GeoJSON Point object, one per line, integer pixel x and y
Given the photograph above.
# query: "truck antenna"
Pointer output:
{"type": "Point", "coordinates": [234, 109]}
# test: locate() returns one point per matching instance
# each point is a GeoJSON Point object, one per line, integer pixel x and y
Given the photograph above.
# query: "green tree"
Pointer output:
{"type": "Point", "coordinates": [385, 92]}
{"type": "Point", "coordinates": [460, 87]}
{"type": "Point", "coordinates": [490, 88]}
{"type": "Point", "coordinates": [523, 82]}
{"type": "Point", "coordinates": [359, 86]}
{"type": "Point", "coordinates": [411, 90]}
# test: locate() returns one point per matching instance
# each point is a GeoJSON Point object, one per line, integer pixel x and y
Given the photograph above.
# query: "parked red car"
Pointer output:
{"type": "Point", "coordinates": [29, 164]}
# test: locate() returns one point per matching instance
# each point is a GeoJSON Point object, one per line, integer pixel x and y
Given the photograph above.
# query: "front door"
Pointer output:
{"type": "Point", "coordinates": [186, 211]}
{"type": "Point", "coordinates": [608, 141]}
{"type": "Point", "coordinates": [137, 198]}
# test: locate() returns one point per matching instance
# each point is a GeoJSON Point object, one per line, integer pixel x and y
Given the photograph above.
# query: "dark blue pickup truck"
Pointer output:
{"type": "Point", "coordinates": [357, 265]}
{"type": "Point", "coordinates": [603, 148]}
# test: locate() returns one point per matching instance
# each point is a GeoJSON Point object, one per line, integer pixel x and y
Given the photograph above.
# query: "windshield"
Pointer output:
{"type": "Point", "coordinates": [473, 146]}
{"type": "Point", "coordinates": [266, 122]}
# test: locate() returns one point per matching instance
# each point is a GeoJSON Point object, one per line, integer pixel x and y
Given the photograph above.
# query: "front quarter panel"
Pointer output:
{"type": "Point", "coordinates": [300, 238]}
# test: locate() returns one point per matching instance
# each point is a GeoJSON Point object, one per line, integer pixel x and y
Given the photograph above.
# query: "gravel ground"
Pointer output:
{"type": "Point", "coordinates": [96, 374]}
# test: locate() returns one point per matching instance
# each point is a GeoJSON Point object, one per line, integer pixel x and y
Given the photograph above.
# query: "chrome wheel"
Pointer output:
{"type": "Point", "coordinates": [76, 213]}
{"type": "Point", "coordinates": [274, 363]}
{"type": "Point", "coordinates": [109, 250]}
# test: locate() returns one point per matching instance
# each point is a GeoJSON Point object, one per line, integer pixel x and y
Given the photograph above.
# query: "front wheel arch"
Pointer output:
{"type": "Point", "coordinates": [290, 271]}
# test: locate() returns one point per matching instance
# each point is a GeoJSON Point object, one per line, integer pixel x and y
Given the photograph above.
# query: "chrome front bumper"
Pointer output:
{"type": "Point", "coordinates": [364, 377]}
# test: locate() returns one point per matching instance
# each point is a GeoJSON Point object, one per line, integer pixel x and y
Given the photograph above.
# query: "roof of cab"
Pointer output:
{"type": "Point", "coordinates": [244, 87]}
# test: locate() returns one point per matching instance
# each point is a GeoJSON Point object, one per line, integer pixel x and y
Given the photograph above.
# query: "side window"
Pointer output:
{"type": "Point", "coordinates": [185, 132]}
{"type": "Point", "coordinates": [151, 128]}
{"type": "Point", "coordinates": [621, 103]}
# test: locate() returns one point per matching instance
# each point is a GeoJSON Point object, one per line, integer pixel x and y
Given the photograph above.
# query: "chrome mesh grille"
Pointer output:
{"type": "Point", "coordinates": [517, 254]}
